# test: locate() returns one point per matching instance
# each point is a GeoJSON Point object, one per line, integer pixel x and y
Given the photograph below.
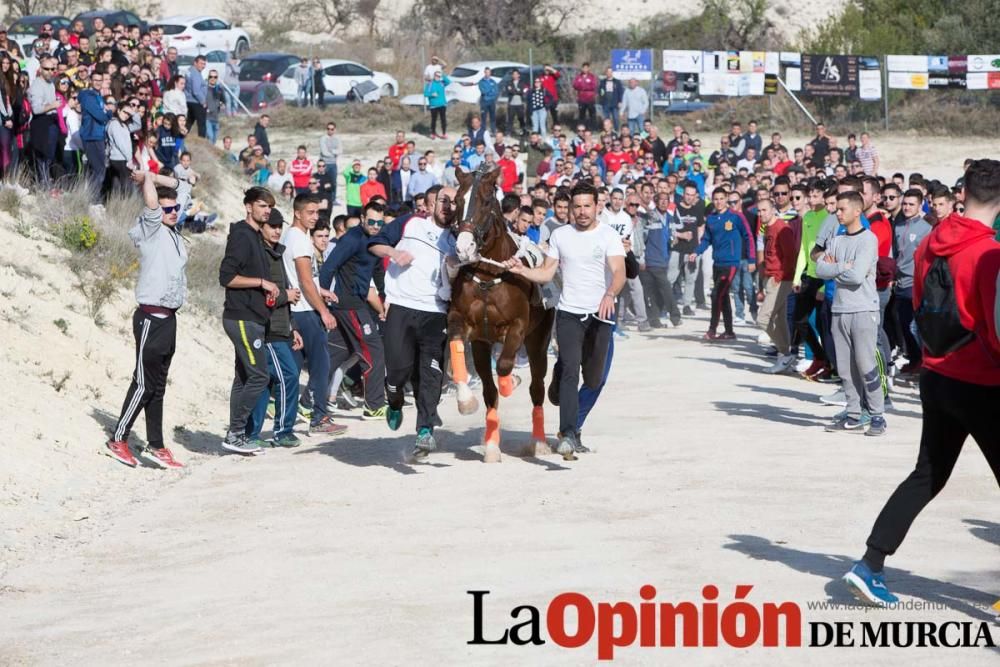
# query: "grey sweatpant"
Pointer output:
{"type": "Point", "coordinates": [855, 338]}
{"type": "Point", "coordinates": [251, 377]}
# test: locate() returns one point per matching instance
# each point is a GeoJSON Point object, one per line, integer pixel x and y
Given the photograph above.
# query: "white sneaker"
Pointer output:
{"type": "Point", "coordinates": [739, 320]}
{"type": "Point", "coordinates": [764, 339]}
{"type": "Point", "coordinates": [802, 365]}
{"type": "Point", "coordinates": [782, 364]}
{"type": "Point", "coordinates": [836, 398]}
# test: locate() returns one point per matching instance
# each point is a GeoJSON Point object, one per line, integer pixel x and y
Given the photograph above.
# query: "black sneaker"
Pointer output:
{"type": "Point", "coordinates": [676, 320]}
{"type": "Point", "coordinates": [580, 448]}
{"type": "Point", "coordinates": [656, 324]}
{"type": "Point", "coordinates": [687, 312]}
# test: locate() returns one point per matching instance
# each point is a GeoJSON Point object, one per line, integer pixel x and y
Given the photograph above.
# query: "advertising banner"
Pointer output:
{"type": "Point", "coordinates": [632, 63]}
{"type": "Point", "coordinates": [908, 80]}
{"type": "Point", "coordinates": [906, 63]}
{"type": "Point", "coordinates": [870, 84]}
{"type": "Point", "coordinates": [982, 63]}
{"type": "Point", "coordinates": [682, 62]}
{"type": "Point", "coordinates": [830, 75]}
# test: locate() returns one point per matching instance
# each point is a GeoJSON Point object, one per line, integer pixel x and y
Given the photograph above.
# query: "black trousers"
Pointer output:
{"type": "Point", "coordinates": [439, 114]}
{"type": "Point", "coordinates": [155, 342]}
{"type": "Point", "coordinates": [414, 352]}
{"type": "Point", "coordinates": [586, 110]}
{"type": "Point", "coordinates": [722, 280]}
{"type": "Point", "coordinates": [904, 315]}
{"type": "Point", "coordinates": [583, 345]}
{"type": "Point", "coordinates": [358, 336]}
{"type": "Point", "coordinates": [805, 303]}
{"type": "Point", "coordinates": [952, 411]}
{"type": "Point", "coordinates": [516, 111]}
{"type": "Point", "coordinates": [196, 114]}
{"type": "Point", "coordinates": [659, 293]}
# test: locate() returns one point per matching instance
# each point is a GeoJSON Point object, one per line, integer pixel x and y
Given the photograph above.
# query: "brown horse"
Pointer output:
{"type": "Point", "coordinates": [490, 305]}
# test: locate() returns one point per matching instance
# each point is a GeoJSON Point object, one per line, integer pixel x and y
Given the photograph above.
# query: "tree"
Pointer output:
{"type": "Point", "coordinates": [486, 23]}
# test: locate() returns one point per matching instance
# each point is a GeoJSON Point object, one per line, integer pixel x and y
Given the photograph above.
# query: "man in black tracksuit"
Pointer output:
{"type": "Point", "coordinates": [245, 273]}
{"type": "Point", "coordinates": [357, 334]}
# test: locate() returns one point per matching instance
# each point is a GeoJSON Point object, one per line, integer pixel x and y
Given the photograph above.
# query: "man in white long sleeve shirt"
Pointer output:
{"type": "Point", "coordinates": [635, 104]}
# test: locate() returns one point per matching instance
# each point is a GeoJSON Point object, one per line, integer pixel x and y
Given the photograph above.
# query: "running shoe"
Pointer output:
{"type": "Point", "coordinates": [728, 335]}
{"type": "Point", "coordinates": [621, 335]}
{"type": "Point", "coordinates": [120, 451]}
{"type": "Point", "coordinates": [676, 320]}
{"type": "Point", "coordinates": [836, 398]}
{"type": "Point", "coordinates": [763, 339]}
{"type": "Point", "coordinates": [710, 335]}
{"type": "Point", "coordinates": [656, 324]}
{"type": "Point", "coordinates": [237, 442]}
{"type": "Point", "coordinates": [877, 426]}
{"type": "Point", "coordinates": [288, 440]}
{"type": "Point", "coordinates": [815, 367]}
{"type": "Point", "coordinates": [867, 586]}
{"type": "Point", "coordinates": [162, 457]}
{"type": "Point", "coordinates": [325, 426]}
{"type": "Point", "coordinates": [580, 448]}
{"type": "Point", "coordinates": [377, 414]}
{"type": "Point", "coordinates": [270, 409]}
{"type": "Point", "coordinates": [425, 443]}
{"type": "Point", "coordinates": [846, 424]}
{"type": "Point", "coordinates": [346, 402]}
{"type": "Point", "coordinates": [475, 383]}
{"type": "Point", "coordinates": [304, 411]}
{"type": "Point", "coordinates": [827, 376]}
{"type": "Point", "coordinates": [393, 417]}
{"type": "Point", "coordinates": [687, 312]}
{"type": "Point", "coordinates": [703, 306]}
{"type": "Point", "coordinates": [567, 447]}
{"type": "Point", "coordinates": [259, 443]}
{"type": "Point", "coordinates": [866, 417]}
{"type": "Point", "coordinates": [781, 365]}
{"type": "Point", "coordinates": [739, 320]}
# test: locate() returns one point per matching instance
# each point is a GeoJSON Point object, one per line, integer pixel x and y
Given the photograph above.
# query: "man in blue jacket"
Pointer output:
{"type": "Point", "coordinates": [95, 115]}
{"type": "Point", "coordinates": [653, 272]}
{"type": "Point", "coordinates": [489, 91]}
{"type": "Point", "coordinates": [726, 233]}
{"type": "Point", "coordinates": [609, 93]}
{"type": "Point", "coordinates": [357, 334]}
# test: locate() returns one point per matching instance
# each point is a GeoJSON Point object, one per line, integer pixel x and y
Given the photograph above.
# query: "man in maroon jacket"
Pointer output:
{"type": "Point", "coordinates": [780, 256]}
{"type": "Point", "coordinates": [960, 383]}
{"type": "Point", "coordinates": [585, 85]}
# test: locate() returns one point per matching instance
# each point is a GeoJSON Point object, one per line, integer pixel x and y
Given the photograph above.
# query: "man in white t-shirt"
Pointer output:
{"type": "Point", "coordinates": [436, 65]}
{"type": "Point", "coordinates": [417, 291]}
{"type": "Point", "coordinates": [591, 258]}
{"type": "Point", "coordinates": [620, 219]}
{"type": "Point", "coordinates": [312, 317]}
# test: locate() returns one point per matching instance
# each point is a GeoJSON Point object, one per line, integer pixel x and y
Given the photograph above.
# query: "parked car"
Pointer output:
{"type": "Point", "coordinates": [465, 76]}
{"type": "Point", "coordinates": [111, 17]}
{"type": "Point", "coordinates": [339, 76]}
{"type": "Point", "coordinates": [260, 95]}
{"type": "Point", "coordinates": [195, 34]}
{"type": "Point", "coordinates": [265, 66]}
{"type": "Point", "coordinates": [25, 30]}
{"type": "Point", "coordinates": [216, 60]}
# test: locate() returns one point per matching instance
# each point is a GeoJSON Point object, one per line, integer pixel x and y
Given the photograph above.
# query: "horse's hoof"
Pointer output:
{"type": "Point", "coordinates": [507, 384]}
{"type": "Point", "coordinates": [537, 448]}
{"type": "Point", "coordinates": [491, 454]}
{"type": "Point", "coordinates": [468, 407]}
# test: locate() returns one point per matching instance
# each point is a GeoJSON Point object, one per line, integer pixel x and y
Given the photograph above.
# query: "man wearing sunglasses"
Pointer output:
{"type": "Point", "coordinates": [161, 290]}
{"type": "Point", "coordinates": [44, 128]}
{"type": "Point", "coordinates": [357, 334]}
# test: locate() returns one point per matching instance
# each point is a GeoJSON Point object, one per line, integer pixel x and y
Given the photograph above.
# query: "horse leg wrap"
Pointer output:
{"type": "Point", "coordinates": [459, 373]}
{"type": "Point", "coordinates": [506, 383]}
{"type": "Point", "coordinates": [492, 435]}
{"type": "Point", "coordinates": [538, 423]}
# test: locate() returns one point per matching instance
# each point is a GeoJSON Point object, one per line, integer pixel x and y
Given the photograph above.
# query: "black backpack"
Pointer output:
{"type": "Point", "coordinates": [937, 315]}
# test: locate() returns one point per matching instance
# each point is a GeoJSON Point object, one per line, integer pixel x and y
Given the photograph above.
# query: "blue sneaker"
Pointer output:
{"type": "Point", "coordinates": [867, 586]}
{"type": "Point", "coordinates": [621, 335]}
{"type": "Point", "coordinates": [394, 418]}
{"type": "Point", "coordinates": [877, 426]}
{"type": "Point", "coordinates": [845, 424]}
{"type": "Point", "coordinates": [425, 443]}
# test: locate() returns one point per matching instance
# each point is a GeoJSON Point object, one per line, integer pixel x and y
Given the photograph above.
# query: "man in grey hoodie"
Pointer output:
{"type": "Point", "coordinates": [160, 290]}
{"type": "Point", "coordinates": [850, 261]}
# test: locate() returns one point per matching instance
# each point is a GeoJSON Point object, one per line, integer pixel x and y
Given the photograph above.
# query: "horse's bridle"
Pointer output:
{"type": "Point", "coordinates": [479, 231]}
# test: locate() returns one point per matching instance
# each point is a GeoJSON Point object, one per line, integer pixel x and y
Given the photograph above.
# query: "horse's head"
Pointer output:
{"type": "Point", "coordinates": [478, 212]}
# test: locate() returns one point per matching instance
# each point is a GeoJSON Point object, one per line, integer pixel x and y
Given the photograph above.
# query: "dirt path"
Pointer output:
{"type": "Point", "coordinates": [708, 472]}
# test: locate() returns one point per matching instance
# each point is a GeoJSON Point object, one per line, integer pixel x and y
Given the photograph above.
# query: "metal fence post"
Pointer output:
{"type": "Point", "coordinates": [885, 90]}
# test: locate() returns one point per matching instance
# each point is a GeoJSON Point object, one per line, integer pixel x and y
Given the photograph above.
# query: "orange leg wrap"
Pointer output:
{"type": "Point", "coordinates": [506, 383]}
{"type": "Point", "coordinates": [459, 373]}
{"type": "Point", "coordinates": [492, 436]}
{"type": "Point", "coordinates": [538, 423]}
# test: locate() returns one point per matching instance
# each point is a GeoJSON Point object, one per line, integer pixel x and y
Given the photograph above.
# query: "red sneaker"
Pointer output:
{"type": "Point", "coordinates": [162, 457]}
{"type": "Point", "coordinates": [325, 426]}
{"type": "Point", "coordinates": [815, 367]}
{"type": "Point", "coordinates": [119, 450]}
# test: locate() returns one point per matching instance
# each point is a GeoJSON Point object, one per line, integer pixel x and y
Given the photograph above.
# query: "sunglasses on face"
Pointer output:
{"type": "Point", "coordinates": [892, 196]}
{"type": "Point", "coordinates": [374, 223]}
{"type": "Point", "coordinates": [167, 210]}
{"type": "Point", "coordinates": [781, 193]}
{"type": "Point", "coordinates": [734, 202]}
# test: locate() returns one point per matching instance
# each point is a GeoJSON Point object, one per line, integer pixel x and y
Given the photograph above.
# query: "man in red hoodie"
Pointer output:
{"type": "Point", "coordinates": [398, 149]}
{"type": "Point", "coordinates": [960, 389]}
{"type": "Point", "coordinates": [585, 85]}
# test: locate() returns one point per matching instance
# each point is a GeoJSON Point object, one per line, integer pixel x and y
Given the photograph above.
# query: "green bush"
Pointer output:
{"type": "Point", "coordinates": [79, 233]}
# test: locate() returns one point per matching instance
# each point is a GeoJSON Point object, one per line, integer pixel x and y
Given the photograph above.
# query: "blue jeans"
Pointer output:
{"type": "Point", "coordinates": [743, 287]}
{"type": "Point", "coordinates": [538, 121]}
{"type": "Point", "coordinates": [212, 130]}
{"type": "Point", "coordinates": [612, 113]}
{"type": "Point", "coordinates": [317, 360]}
{"type": "Point", "coordinates": [588, 396]}
{"type": "Point", "coordinates": [284, 374]}
{"type": "Point", "coordinates": [489, 110]}
{"type": "Point", "coordinates": [635, 124]}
